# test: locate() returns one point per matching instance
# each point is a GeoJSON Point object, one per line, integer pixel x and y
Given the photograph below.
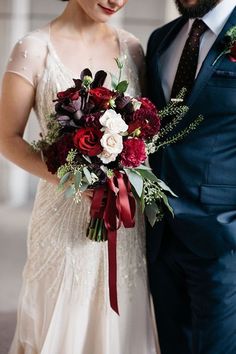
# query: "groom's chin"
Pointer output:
{"type": "Point", "coordinates": [195, 8]}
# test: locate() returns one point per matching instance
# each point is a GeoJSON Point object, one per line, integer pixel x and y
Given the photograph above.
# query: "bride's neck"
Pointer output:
{"type": "Point", "coordinates": [74, 22]}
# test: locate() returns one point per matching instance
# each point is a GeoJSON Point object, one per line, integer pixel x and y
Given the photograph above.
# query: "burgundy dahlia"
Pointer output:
{"type": "Point", "coordinates": [56, 154]}
{"type": "Point", "coordinates": [147, 121]}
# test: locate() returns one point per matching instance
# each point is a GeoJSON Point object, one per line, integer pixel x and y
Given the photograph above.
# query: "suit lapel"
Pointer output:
{"type": "Point", "coordinates": [208, 68]}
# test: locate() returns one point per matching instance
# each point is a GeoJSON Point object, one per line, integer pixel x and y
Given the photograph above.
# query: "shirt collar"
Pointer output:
{"type": "Point", "coordinates": [218, 16]}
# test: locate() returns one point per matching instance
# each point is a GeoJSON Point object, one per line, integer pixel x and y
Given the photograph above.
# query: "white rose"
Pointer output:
{"type": "Point", "coordinates": [112, 142]}
{"type": "Point", "coordinates": [113, 121]}
{"type": "Point", "coordinates": [106, 157]}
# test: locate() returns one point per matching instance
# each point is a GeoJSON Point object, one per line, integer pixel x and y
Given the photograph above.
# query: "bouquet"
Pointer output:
{"type": "Point", "coordinates": [99, 139]}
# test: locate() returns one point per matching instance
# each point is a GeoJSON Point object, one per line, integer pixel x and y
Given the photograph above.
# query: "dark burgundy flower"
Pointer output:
{"type": "Point", "coordinates": [147, 104]}
{"type": "Point", "coordinates": [101, 97]}
{"type": "Point", "coordinates": [134, 153]}
{"type": "Point", "coordinates": [232, 54]}
{"type": "Point", "coordinates": [147, 121]}
{"type": "Point", "coordinates": [92, 120]}
{"type": "Point", "coordinates": [87, 141]}
{"type": "Point", "coordinates": [72, 93]}
{"type": "Point", "coordinates": [56, 154]}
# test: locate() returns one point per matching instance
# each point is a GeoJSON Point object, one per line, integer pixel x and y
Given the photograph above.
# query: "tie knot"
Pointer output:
{"type": "Point", "coordinates": [198, 28]}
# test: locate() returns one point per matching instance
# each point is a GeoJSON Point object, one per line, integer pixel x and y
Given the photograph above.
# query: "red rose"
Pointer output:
{"type": "Point", "coordinates": [134, 153]}
{"type": "Point", "coordinates": [147, 104]}
{"type": "Point", "coordinates": [101, 96]}
{"type": "Point", "coordinates": [56, 154]}
{"type": "Point", "coordinates": [147, 121]}
{"type": "Point", "coordinates": [232, 54]}
{"type": "Point", "coordinates": [71, 93]}
{"type": "Point", "coordinates": [87, 140]}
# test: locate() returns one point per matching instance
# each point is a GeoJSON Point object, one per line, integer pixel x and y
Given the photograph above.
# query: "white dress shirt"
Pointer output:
{"type": "Point", "coordinates": [215, 20]}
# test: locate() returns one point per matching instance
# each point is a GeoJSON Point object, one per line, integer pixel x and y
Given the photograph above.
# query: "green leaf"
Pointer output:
{"type": "Point", "coordinates": [151, 211]}
{"type": "Point", "coordinates": [166, 202]}
{"type": "Point", "coordinates": [122, 86]}
{"type": "Point", "coordinates": [136, 180]}
{"type": "Point", "coordinates": [149, 175]}
{"type": "Point", "coordinates": [142, 202]}
{"type": "Point", "coordinates": [87, 175]}
{"type": "Point", "coordinates": [70, 192]}
{"type": "Point", "coordinates": [143, 167]}
{"type": "Point", "coordinates": [166, 188]}
{"type": "Point", "coordinates": [114, 81]}
{"type": "Point", "coordinates": [78, 178]}
{"type": "Point", "coordinates": [64, 179]}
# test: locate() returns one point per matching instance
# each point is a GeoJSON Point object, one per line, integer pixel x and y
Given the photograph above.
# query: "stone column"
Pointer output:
{"type": "Point", "coordinates": [18, 178]}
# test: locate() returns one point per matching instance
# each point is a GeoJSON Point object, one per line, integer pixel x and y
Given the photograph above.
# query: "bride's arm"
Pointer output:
{"type": "Point", "coordinates": [16, 102]}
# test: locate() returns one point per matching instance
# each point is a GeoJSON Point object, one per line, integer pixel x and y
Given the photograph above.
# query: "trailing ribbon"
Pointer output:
{"type": "Point", "coordinates": [115, 203]}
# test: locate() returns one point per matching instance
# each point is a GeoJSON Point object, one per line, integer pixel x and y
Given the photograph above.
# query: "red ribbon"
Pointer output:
{"type": "Point", "coordinates": [115, 203]}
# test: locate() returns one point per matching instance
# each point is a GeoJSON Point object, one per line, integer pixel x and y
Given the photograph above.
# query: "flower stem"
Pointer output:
{"type": "Point", "coordinates": [96, 230]}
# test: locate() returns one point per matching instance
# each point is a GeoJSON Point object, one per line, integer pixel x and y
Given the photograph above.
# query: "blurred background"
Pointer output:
{"type": "Point", "coordinates": [17, 188]}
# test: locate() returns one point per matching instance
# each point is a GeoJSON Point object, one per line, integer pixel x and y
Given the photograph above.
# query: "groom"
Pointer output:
{"type": "Point", "coordinates": [192, 257]}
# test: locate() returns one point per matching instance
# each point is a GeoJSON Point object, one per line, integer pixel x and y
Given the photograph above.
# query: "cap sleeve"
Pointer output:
{"type": "Point", "coordinates": [28, 59]}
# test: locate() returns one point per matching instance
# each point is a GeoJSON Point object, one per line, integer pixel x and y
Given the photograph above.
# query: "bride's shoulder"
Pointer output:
{"type": "Point", "coordinates": [132, 46]}
{"type": "Point", "coordinates": [128, 37]}
{"type": "Point", "coordinates": [37, 38]}
{"type": "Point", "coordinates": [29, 54]}
{"type": "Point", "coordinates": [33, 43]}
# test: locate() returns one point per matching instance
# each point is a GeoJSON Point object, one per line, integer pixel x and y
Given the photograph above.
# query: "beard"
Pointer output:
{"type": "Point", "coordinates": [199, 10]}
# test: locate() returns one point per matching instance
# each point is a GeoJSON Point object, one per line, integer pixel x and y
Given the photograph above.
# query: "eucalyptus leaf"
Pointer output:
{"type": "Point", "coordinates": [87, 175]}
{"type": "Point", "coordinates": [151, 211]}
{"type": "Point", "coordinates": [122, 86]}
{"type": "Point", "coordinates": [78, 178]}
{"type": "Point", "coordinates": [164, 186]}
{"type": "Point", "coordinates": [166, 202]}
{"type": "Point", "coordinates": [64, 179]}
{"type": "Point", "coordinates": [149, 175]}
{"type": "Point", "coordinates": [136, 180]}
{"type": "Point", "coordinates": [143, 167]}
{"type": "Point", "coordinates": [70, 192]}
{"type": "Point", "coordinates": [142, 202]}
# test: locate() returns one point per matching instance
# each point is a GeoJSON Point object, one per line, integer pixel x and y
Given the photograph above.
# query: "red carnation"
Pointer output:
{"type": "Point", "coordinates": [101, 96]}
{"type": "Point", "coordinates": [87, 140]}
{"type": "Point", "coordinates": [56, 154]}
{"type": "Point", "coordinates": [147, 121]}
{"type": "Point", "coordinates": [71, 93]}
{"type": "Point", "coordinates": [232, 54]}
{"type": "Point", "coordinates": [134, 153]}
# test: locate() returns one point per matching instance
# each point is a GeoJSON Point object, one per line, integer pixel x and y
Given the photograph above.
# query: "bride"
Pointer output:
{"type": "Point", "coordinates": [64, 303]}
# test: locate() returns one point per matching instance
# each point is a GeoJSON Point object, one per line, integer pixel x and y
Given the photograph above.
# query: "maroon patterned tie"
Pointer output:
{"type": "Point", "coordinates": [187, 67]}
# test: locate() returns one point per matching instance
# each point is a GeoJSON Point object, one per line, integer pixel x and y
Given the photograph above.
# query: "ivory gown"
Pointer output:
{"type": "Point", "coordinates": [64, 303]}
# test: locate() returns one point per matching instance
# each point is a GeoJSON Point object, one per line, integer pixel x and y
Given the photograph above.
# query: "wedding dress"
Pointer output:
{"type": "Point", "coordinates": [64, 303]}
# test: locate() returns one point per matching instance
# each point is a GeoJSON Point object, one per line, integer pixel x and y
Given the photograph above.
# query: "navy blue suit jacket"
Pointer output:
{"type": "Point", "coordinates": [201, 169]}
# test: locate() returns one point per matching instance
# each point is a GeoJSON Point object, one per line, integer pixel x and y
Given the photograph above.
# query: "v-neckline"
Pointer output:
{"type": "Point", "coordinates": [53, 50]}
